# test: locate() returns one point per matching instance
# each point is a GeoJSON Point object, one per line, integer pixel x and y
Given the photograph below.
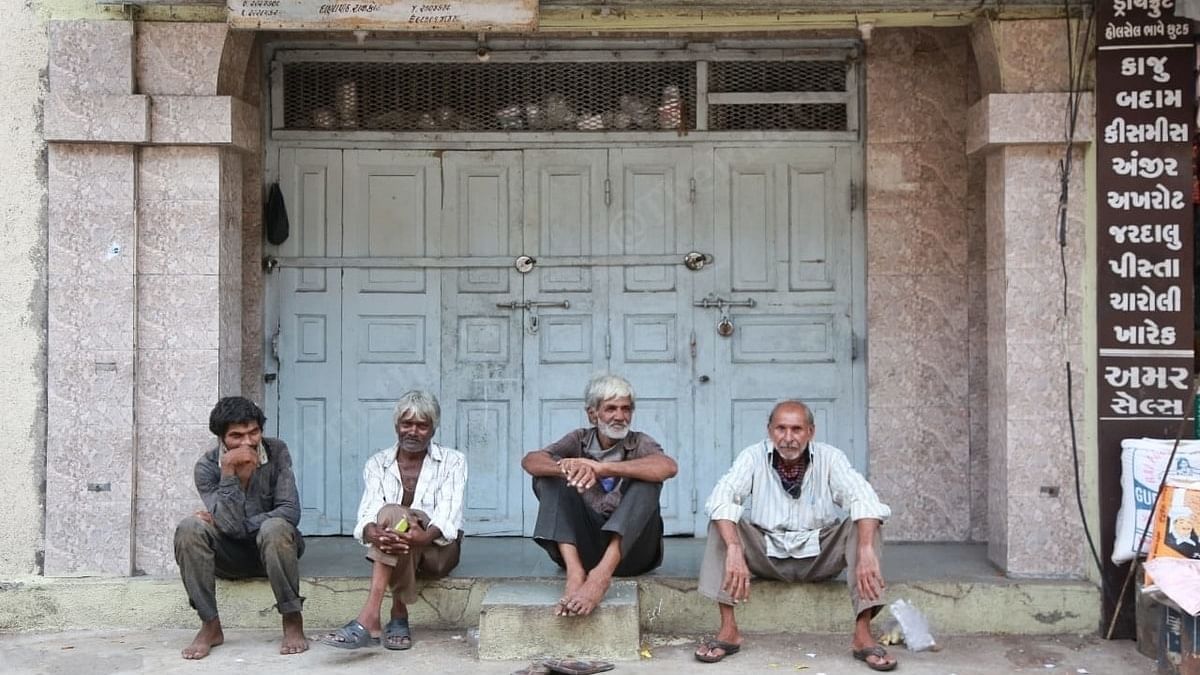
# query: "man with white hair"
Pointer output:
{"type": "Point", "coordinates": [598, 490]}
{"type": "Point", "coordinates": [793, 530]}
{"type": "Point", "coordinates": [410, 517]}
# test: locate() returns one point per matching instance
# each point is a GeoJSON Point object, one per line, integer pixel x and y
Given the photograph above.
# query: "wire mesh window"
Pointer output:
{"type": "Point", "coordinates": [424, 97]}
{"type": "Point", "coordinates": [778, 117]}
{"type": "Point", "coordinates": [777, 76]}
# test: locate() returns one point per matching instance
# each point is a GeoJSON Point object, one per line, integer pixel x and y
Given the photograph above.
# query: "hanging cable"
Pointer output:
{"type": "Point", "coordinates": [1078, 43]}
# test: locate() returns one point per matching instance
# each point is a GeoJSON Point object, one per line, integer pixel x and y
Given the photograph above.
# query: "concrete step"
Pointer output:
{"type": "Point", "coordinates": [666, 605]}
{"type": "Point", "coordinates": [516, 622]}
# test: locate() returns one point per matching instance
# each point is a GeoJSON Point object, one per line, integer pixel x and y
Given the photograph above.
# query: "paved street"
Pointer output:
{"type": "Point", "coordinates": [449, 652]}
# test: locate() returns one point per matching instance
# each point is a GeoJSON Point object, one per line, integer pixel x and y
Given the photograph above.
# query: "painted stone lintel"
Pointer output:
{"type": "Point", "coordinates": [1026, 119]}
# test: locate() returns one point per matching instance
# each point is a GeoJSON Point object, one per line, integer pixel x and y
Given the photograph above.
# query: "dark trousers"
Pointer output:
{"type": "Point", "coordinates": [204, 554]}
{"type": "Point", "coordinates": [564, 517]}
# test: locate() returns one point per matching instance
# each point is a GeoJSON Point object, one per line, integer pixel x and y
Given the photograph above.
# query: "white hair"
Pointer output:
{"type": "Point", "coordinates": [419, 404]}
{"type": "Point", "coordinates": [605, 386]}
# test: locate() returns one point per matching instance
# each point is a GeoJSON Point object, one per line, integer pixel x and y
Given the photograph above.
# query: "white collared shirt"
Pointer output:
{"type": "Point", "coordinates": [793, 525]}
{"type": "Point", "coordinates": [439, 493]}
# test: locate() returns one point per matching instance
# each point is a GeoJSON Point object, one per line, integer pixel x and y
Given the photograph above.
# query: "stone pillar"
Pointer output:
{"type": "Point", "coordinates": [145, 276]}
{"type": "Point", "coordinates": [1034, 527]}
{"type": "Point", "coordinates": [1017, 129]}
{"type": "Point", "coordinates": [92, 120]}
{"type": "Point", "coordinates": [190, 267]}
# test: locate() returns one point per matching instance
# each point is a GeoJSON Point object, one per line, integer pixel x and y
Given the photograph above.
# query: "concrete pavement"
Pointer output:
{"type": "Point", "coordinates": [96, 652]}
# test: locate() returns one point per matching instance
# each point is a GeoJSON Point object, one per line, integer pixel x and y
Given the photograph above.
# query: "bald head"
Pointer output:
{"type": "Point", "coordinates": [791, 405]}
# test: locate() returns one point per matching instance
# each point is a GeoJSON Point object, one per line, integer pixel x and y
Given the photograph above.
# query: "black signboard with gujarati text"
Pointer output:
{"type": "Point", "coordinates": [1145, 108]}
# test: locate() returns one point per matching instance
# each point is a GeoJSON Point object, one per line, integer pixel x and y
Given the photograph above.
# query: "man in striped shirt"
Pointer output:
{"type": "Point", "coordinates": [410, 518]}
{"type": "Point", "coordinates": [794, 531]}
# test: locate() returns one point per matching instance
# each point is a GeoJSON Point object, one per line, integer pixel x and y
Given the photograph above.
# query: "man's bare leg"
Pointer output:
{"type": "Point", "coordinates": [399, 611]}
{"type": "Point", "coordinates": [728, 633]}
{"type": "Point", "coordinates": [294, 641]}
{"type": "Point", "coordinates": [381, 576]}
{"type": "Point", "coordinates": [863, 639]}
{"type": "Point", "coordinates": [576, 575]}
{"type": "Point", "coordinates": [210, 636]}
{"type": "Point", "coordinates": [591, 592]}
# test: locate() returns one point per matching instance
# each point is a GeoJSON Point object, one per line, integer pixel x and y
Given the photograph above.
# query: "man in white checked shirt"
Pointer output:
{"type": "Point", "coordinates": [794, 530]}
{"type": "Point", "coordinates": [410, 517]}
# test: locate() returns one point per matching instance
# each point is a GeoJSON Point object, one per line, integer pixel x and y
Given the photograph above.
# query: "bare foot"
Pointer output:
{"type": "Point", "coordinates": [294, 641]}
{"type": "Point", "coordinates": [589, 595]}
{"type": "Point", "coordinates": [210, 636]}
{"type": "Point", "coordinates": [574, 582]}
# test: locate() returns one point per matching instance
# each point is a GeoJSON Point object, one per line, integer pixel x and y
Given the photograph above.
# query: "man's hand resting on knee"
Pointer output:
{"type": "Point", "coordinates": [737, 574]}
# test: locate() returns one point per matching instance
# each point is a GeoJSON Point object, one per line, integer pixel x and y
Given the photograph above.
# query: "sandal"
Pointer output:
{"type": "Point", "coordinates": [397, 629]}
{"type": "Point", "coordinates": [877, 650]}
{"type": "Point", "coordinates": [353, 635]}
{"type": "Point", "coordinates": [710, 644]}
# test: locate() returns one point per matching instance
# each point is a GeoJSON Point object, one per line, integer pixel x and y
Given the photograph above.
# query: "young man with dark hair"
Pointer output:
{"type": "Point", "coordinates": [248, 527]}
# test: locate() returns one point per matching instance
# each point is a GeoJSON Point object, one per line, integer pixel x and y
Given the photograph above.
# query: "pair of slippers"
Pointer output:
{"type": "Point", "coordinates": [729, 649]}
{"type": "Point", "coordinates": [566, 667]}
{"type": "Point", "coordinates": [354, 635]}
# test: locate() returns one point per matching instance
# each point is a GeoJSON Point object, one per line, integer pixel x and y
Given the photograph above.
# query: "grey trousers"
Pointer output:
{"type": "Point", "coordinates": [563, 517]}
{"type": "Point", "coordinates": [426, 562]}
{"type": "Point", "coordinates": [204, 554]}
{"type": "Point", "coordinates": [839, 551]}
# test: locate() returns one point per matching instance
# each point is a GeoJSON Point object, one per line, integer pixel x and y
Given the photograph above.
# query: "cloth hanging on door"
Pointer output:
{"type": "Point", "coordinates": [276, 219]}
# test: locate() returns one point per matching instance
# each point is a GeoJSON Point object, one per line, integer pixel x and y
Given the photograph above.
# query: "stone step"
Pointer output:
{"type": "Point", "coordinates": [516, 622]}
{"type": "Point", "coordinates": [954, 606]}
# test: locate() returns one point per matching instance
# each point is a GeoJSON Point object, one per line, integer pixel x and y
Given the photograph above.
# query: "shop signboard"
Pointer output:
{"type": "Point", "coordinates": [385, 15]}
{"type": "Point", "coordinates": [1145, 110]}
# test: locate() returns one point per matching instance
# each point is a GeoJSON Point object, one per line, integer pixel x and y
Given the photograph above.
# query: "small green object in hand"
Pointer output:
{"type": "Point", "coordinates": [401, 526]}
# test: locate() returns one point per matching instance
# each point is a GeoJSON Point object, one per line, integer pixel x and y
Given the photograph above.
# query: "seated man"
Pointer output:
{"type": "Point", "coordinates": [410, 517]}
{"type": "Point", "coordinates": [793, 531]}
{"type": "Point", "coordinates": [248, 527]}
{"type": "Point", "coordinates": [598, 490]}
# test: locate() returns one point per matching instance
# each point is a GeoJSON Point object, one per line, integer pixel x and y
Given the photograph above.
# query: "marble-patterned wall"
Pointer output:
{"type": "Point", "coordinates": [917, 281]}
{"type": "Point", "coordinates": [180, 325]}
{"type": "Point", "coordinates": [1029, 352]}
{"type": "Point", "coordinates": [90, 358]}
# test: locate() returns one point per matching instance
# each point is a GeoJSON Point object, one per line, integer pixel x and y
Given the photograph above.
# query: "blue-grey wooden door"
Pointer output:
{"type": "Point", "coordinates": [306, 344]}
{"type": "Point", "coordinates": [783, 238]}
{"type": "Point", "coordinates": [482, 334]}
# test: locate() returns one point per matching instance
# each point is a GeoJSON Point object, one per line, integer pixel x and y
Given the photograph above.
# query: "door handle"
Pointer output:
{"type": "Point", "coordinates": [564, 304]}
{"type": "Point", "coordinates": [717, 302]}
{"type": "Point", "coordinates": [533, 304]}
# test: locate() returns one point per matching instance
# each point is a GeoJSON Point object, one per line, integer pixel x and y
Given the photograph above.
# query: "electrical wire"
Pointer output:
{"type": "Point", "coordinates": [1077, 50]}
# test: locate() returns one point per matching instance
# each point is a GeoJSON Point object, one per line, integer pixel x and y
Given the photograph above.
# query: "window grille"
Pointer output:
{"type": "Point", "coordinates": [451, 96]}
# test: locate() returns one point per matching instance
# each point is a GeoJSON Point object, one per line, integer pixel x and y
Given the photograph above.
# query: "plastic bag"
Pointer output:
{"type": "Point", "coordinates": [916, 629]}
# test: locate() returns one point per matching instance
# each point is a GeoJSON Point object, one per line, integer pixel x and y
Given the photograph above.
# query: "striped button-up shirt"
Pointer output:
{"type": "Point", "coordinates": [793, 525]}
{"type": "Point", "coordinates": [441, 486]}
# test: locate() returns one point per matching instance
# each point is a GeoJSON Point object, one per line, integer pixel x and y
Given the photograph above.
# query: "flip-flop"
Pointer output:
{"type": "Point", "coordinates": [576, 666]}
{"type": "Point", "coordinates": [712, 643]}
{"type": "Point", "coordinates": [877, 650]}
{"type": "Point", "coordinates": [397, 628]}
{"type": "Point", "coordinates": [353, 635]}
